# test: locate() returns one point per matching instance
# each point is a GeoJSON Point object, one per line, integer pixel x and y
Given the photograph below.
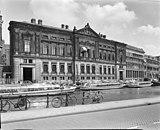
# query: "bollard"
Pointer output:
{"type": "Point", "coordinates": [47, 100]}
{"type": "Point", "coordinates": [83, 98]}
{"type": "Point", "coordinates": [66, 103]}
{"type": "Point", "coordinates": [1, 104]}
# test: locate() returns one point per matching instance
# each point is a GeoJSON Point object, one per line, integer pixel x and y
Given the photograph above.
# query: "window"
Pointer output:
{"type": "Point", "coordinates": [24, 60]}
{"type": "Point", "coordinates": [113, 57]}
{"type": "Point", "coordinates": [100, 55]}
{"type": "Point", "coordinates": [61, 67]}
{"type": "Point", "coordinates": [88, 69]}
{"type": "Point", "coordinates": [54, 68]}
{"type": "Point", "coordinates": [104, 56]}
{"type": "Point", "coordinates": [26, 45]}
{"type": "Point", "coordinates": [113, 70]}
{"type": "Point", "coordinates": [100, 69]}
{"type": "Point", "coordinates": [69, 68]}
{"type": "Point", "coordinates": [104, 69]}
{"type": "Point", "coordinates": [45, 48]}
{"type": "Point", "coordinates": [30, 61]}
{"type": "Point", "coordinates": [62, 50]}
{"type": "Point", "coordinates": [109, 70]}
{"type": "Point", "coordinates": [69, 50]}
{"type": "Point", "coordinates": [88, 53]}
{"type": "Point", "coordinates": [82, 69]}
{"type": "Point", "coordinates": [45, 67]}
{"type": "Point", "coordinates": [53, 48]}
{"type": "Point", "coordinates": [93, 69]}
{"type": "Point", "coordinates": [109, 57]}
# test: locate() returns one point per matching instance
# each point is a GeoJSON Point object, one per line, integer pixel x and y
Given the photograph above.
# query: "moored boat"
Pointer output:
{"type": "Point", "coordinates": [138, 84]}
{"type": "Point", "coordinates": [155, 82]}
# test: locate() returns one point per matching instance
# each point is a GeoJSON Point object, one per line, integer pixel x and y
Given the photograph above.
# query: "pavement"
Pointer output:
{"type": "Point", "coordinates": [33, 114]}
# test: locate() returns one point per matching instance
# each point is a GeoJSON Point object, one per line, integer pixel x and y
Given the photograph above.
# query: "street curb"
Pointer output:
{"type": "Point", "coordinates": [145, 103]}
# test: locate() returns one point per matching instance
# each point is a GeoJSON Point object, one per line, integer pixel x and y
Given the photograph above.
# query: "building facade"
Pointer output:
{"type": "Point", "coordinates": [151, 67]}
{"type": "Point", "coordinates": [39, 52]}
{"type": "Point", "coordinates": [135, 63]}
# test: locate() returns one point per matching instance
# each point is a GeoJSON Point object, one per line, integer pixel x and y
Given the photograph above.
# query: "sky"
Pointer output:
{"type": "Point", "coordinates": [134, 22]}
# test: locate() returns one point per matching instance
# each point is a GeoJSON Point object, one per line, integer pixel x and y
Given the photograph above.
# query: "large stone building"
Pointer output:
{"type": "Point", "coordinates": [151, 67]}
{"type": "Point", "coordinates": [39, 52]}
{"type": "Point", "coordinates": [135, 63]}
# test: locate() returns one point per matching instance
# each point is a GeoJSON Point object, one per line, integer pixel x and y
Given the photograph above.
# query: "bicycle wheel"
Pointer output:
{"type": "Point", "coordinates": [72, 100]}
{"type": "Point", "coordinates": [100, 99]}
{"type": "Point", "coordinates": [4, 105]}
{"type": "Point", "coordinates": [56, 102]}
{"type": "Point", "coordinates": [24, 104]}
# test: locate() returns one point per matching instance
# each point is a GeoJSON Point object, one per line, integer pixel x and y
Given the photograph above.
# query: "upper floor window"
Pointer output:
{"type": "Point", "coordinates": [100, 55]}
{"type": "Point", "coordinates": [93, 69]}
{"type": "Point", "coordinates": [104, 69]}
{"type": "Point", "coordinates": [27, 45]}
{"type": "Point", "coordinates": [69, 50]}
{"type": "Point", "coordinates": [69, 68]}
{"type": "Point", "coordinates": [82, 69]}
{"type": "Point", "coordinates": [54, 68]}
{"type": "Point", "coordinates": [61, 67]}
{"type": "Point", "coordinates": [100, 69]}
{"type": "Point", "coordinates": [109, 70]}
{"type": "Point", "coordinates": [45, 48]}
{"type": "Point", "coordinates": [53, 48]}
{"type": "Point", "coordinates": [45, 67]}
{"type": "Point", "coordinates": [62, 50]}
{"type": "Point", "coordinates": [88, 69]}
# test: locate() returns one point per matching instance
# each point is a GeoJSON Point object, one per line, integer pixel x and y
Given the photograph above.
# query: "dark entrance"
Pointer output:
{"type": "Point", "coordinates": [27, 74]}
{"type": "Point", "coordinates": [121, 75]}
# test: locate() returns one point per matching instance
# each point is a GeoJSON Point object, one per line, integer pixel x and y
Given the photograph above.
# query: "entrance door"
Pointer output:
{"type": "Point", "coordinates": [27, 74]}
{"type": "Point", "coordinates": [121, 75]}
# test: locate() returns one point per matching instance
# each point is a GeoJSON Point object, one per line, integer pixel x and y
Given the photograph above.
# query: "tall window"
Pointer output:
{"type": "Point", "coordinates": [54, 68]}
{"type": "Point", "coordinates": [113, 70]}
{"type": "Point", "coordinates": [69, 50]}
{"type": "Point", "coordinates": [93, 69]}
{"type": "Point", "coordinates": [27, 45]}
{"type": "Point", "coordinates": [53, 48]}
{"type": "Point", "coordinates": [88, 69]}
{"type": "Point", "coordinates": [109, 57]}
{"type": "Point", "coordinates": [82, 69]}
{"type": "Point", "coordinates": [100, 69]}
{"type": "Point", "coordinates": [62, 68]}
{"type": "Point", "coordinates": [113, 57]}
{"type": "Point", "coordinates": [109, 70]}
{"type": "Point", "coordinates": [100, 55]}
{"type": "Point", "coordinates": [45, 48]}
{"type": "Point", "coordinates": [104, 69]}
{"type": "Point", "coordinates": [69, 68]}
{"type": "Point", "coordinates": [104, 56]}
{"type": "Point", "coordinates": [45, 67]}
{"type": "Point", "coordinates": [62, 50]}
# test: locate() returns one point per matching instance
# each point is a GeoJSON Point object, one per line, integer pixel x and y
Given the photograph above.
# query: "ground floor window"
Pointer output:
{"type": "Point", "coordinates": [93, 78]}
{"type": "Point", "coordinates": [54, 78]}
{"type": "Point", "coordinates": [82, 78]}
{"type": "Point", "coordinates": [88, 78]}
{"type": "Point", "coordinates": [45, 77]}
{"type": "Point", "coordinates": [62, 78]}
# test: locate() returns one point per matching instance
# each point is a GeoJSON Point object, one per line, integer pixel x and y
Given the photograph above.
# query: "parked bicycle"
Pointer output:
{"type": "Point", "coordinates": [63, 100]}
{"type": "Point", "coordinates": [92, 97]}
{"type": "Point", "coordinates": [22, 103]}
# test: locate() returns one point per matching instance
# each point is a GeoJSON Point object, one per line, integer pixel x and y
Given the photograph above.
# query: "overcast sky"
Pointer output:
{"type": "Point", "coordinates": [134, 22]}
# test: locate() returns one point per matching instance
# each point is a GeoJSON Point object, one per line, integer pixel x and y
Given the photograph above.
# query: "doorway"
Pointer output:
{"type": "Point", "coordinates": [27, 74]}
{"type": "Point", "coordinates": [121, 75]}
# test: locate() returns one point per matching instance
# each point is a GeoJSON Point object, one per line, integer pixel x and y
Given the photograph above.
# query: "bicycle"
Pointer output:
{"type": "Point", "coordinates": [98, 97]}
{"type": "Point", "coordinates": [61, 100]}
{"type": "Point", "coordinates": [22, 103]}
{"type": "Point", "coordinates": [92, 97]}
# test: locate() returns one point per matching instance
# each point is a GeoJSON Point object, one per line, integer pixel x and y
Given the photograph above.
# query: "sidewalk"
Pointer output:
{"type": "Point", "coordinates": [18, 116]}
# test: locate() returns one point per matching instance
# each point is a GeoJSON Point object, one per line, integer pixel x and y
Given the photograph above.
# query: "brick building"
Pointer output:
{"type": "Point", "coordinates": [39, 52]}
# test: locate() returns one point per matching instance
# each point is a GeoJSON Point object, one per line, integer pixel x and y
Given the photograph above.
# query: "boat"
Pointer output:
{"type": "Point", "coordinates": [102, 85]}
{"type": "Point", "coordinates": [155, 82]}
{"type": "Point", "coordinates": [138, 84]}
{"type": "Point", "coordinates": [34, 89]}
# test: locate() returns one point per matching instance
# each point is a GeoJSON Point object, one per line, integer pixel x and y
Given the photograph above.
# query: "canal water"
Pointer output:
{"type": "Point", "coordinates": [109, 95]}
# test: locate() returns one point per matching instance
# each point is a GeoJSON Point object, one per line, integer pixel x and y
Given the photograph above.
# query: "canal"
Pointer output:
{"type": "Point", "coordinates": [109, 95]}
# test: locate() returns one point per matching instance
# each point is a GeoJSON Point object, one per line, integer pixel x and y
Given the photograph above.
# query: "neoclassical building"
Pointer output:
{"type": "Point", "coordinates": [134, 63]}
{"type": "Point", "coordinates": [39, 52]}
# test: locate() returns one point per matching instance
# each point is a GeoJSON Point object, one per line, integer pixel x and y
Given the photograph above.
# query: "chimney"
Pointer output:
{"type": "Point", "coordinates": [67, 27]}
{"type": "Point", "coordinates": [62, 25]}
{"type": "Point", "coordinates": [104, 36]}
{"type": "Point", "coordinates": [39, 21]}
{"type": "Point", "coordinates": [33, 20]}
